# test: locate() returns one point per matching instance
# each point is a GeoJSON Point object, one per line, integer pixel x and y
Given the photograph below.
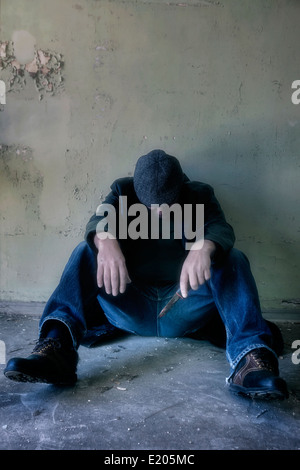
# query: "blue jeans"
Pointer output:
{"type": "Point", "coordinates": [230, 295]}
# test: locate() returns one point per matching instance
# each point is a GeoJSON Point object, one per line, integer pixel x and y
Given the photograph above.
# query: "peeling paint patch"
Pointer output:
{"type": "Point", "coordinates": [45, 70]}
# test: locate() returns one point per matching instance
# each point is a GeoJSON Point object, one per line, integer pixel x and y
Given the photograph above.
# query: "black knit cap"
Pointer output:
{"type": "Point", "coordinates": [158, 178]}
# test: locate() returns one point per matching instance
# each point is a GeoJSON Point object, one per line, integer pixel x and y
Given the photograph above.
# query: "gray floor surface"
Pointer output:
{"type": "Point", "coordinates": [143, 393]}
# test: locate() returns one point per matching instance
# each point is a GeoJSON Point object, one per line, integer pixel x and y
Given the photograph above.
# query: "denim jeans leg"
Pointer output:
{"type": "Point", "coordinates": [187, 315]}
{"type": "Point", "coordinates": [137, 310]}
{"type": "Point", "coordinates": [77, 288]}
{"type": "Point", "coordinates": [133, 311]}
{"type": "Point", "coordinates": [235, 294]}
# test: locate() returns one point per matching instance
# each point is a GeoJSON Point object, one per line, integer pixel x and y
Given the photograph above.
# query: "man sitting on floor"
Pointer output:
{"type": "Point", "coordinates": [148, 242]}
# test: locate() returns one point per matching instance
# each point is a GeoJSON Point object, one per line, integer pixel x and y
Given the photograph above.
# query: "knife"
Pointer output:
{"type": "Point", "coordinates": [171, 302]}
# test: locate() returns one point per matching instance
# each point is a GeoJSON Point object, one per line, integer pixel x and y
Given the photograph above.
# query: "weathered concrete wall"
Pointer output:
{"type": "Point", "coordinates": [92, 85]}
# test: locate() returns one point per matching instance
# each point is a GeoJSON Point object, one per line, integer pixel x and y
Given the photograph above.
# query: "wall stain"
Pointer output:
{"type": "Point", "coordinates": [45, 70]}
{"type": "Point", "coordinates": [21, 178]}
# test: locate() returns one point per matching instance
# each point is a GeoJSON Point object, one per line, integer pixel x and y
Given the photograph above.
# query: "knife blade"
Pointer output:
{"type": "Point", "coordinates": [171, 302]}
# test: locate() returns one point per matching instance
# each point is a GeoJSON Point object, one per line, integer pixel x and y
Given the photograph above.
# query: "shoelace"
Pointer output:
{"type": "Point", "coordinates": [262, 361]}
{"type": "Point", "coordinates": [46, 344]}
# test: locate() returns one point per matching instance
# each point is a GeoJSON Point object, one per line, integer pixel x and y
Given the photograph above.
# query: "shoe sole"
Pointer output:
{"type": "Point", "coordinates": [266, 394]}
{"type": "Point", "coordinates": [21, 377]}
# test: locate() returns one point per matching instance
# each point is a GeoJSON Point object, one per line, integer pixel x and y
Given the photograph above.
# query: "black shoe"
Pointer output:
{"type": "Point", "coordinates": [49, 363]}
{"type": "Point", "coordinates": [257, 376]}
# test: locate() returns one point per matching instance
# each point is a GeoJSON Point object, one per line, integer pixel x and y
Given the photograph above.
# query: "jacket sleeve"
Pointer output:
{"type": "Point", "coordinates": [112, 199]}
{"type": "Point", "coordinates": [216, 228]}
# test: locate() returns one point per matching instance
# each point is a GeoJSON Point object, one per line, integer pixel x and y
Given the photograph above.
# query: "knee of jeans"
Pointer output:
{"type": "Point", "coordinates": [82, 248]}
{"type": "Point", "coordinates": [236, 257]}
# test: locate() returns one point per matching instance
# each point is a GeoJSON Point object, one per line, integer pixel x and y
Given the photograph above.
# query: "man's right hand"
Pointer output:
{"type": "Point", "coordinates": [112, 272]}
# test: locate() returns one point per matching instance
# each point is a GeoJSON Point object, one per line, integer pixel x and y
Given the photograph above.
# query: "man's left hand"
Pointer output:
{"type": "Point", "coordinates": [196, 268]}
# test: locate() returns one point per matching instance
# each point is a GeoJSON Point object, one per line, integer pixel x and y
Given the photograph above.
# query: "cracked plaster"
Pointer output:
{"type": "Point", "coordinates": [45, 69]}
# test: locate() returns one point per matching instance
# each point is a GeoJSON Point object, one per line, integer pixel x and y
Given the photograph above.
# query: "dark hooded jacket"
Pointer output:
{"type": "Point", "coordinates": [159, 261]}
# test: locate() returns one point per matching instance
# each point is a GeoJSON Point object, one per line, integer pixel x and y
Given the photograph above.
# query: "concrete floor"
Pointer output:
{"type": "Point", "coordinates": [142, 393]}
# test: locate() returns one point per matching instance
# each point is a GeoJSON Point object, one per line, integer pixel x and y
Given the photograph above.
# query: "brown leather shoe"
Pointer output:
{"type": "Point", "coordinates": [257, 376]}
